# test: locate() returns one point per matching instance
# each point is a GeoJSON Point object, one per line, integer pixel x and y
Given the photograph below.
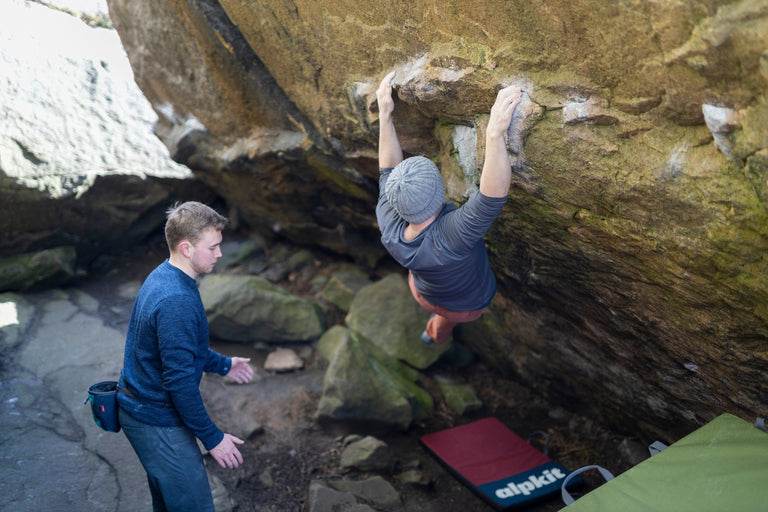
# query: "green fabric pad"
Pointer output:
{"type": "Point", "coordinates": [721, 466]}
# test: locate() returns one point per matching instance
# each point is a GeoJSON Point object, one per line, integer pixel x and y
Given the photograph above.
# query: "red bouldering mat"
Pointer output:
{"type": "Point", "coordinates": [497, 464]}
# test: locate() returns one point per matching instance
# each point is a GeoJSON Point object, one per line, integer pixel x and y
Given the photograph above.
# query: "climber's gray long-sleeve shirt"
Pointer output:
{"type": "Point", "coordinates": [448, 259]}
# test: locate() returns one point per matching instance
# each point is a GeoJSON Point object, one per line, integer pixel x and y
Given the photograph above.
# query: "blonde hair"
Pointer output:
{"type": "Point", "coordinates": [187, 221]}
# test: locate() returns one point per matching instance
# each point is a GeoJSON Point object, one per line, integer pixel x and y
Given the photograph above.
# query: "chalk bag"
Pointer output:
{"type": "Point", "coordinates": [103, 398]}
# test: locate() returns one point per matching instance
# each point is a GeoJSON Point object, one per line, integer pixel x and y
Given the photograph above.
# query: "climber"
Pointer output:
{"type": "Point", "coordinates": [439, 243]}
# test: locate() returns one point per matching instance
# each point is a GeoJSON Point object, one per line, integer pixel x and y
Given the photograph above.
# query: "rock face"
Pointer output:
{"type": "Point", "coordinates": [631, 253]}
{"type": "Point", "coordinates": [79, 165]}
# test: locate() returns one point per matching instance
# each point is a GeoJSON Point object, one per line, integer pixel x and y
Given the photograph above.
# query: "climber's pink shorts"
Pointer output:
{"type": "Point", "coordinates": [440, 326]}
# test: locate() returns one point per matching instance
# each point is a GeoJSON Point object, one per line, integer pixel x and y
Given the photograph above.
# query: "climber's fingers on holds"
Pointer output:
{"type": "Point", "coordinates": [387, 81]}
{"type": "Point", "coordinates": [506, 102]}
{"type": "Point", "coordinates": [510, 94]}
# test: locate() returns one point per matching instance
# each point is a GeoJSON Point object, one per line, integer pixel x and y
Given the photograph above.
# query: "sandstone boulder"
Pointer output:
{"type": "Point", "coordinates": [367, 455]}
{"type": "Point", "coordinates": [375, 490]}
{"type": "Point", "coordinates": [283, 360]}
{"type": "Point", "coordinates": [38, 270]}
{"type": "Point", "coordinates": [239, 252]}
{"type": "Point", "coordinates": [79, 164]}
{"type": "Point", "coordinates": [363, 384]}
{"type": "Point", "coordinates": [249, 308]}
{"type": "Point", "coordinates": [322, 498]}
{"type": "Point", "coordinates": [386, 314]}
{"type": "Point", "coordinates": [459, 397]}
{"type": "Point", "coordinates": [343, 285]}
{"type": "Point", "coordinates": [330, 341]}
{"type": "Point", "coordinates": [632, 244]}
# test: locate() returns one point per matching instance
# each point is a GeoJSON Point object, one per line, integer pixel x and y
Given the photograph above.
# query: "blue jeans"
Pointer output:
{"type": "Point", "coordinates": [174, 465]}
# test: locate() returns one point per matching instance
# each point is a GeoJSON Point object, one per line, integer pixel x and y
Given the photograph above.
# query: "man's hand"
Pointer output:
{"type": "Point", "coordinates": [241, 371]}
{"type": "Point", "coordinates": [384, 96]}
{"type": "Point", "coordinates": [226, 453]}
{"type": "Point", "coordinates": [507, 101]}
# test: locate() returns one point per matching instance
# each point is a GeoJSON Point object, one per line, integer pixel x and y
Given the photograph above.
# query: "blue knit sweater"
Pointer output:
{"type": "Point", "coordinates": [166, 352]}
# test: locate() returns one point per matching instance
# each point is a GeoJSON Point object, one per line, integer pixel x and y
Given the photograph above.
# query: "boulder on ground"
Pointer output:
{"type": "Point", "coordinates": [250, 308]}
{"type": "Point", "coordinates": [240, 252]}
{"type": "Point", "coordinates": [459, 397]}
{"type": "Point", "coordinates": [330, 340]}
{"type": "Point", "coordinates": [324, 499]}
{"type": "Point", "coordinates": [343, 285]}
{"type": "Point", "coordinates": [415, 477]}
{"type": "Point", "coordinates": [386, 314]}
{"type": "Point", "coordinates": [376, 491]}
{"type": "Point", "coordinates": [222, 501]}
{"type": "Point", "coordinates": [364, 384]}
{"type": "Point", "coordinates": [38, 270]}
{"type": "Point", "coordinates": [283, 360]}
{"type": "Point", "coordinates": [368, 455]}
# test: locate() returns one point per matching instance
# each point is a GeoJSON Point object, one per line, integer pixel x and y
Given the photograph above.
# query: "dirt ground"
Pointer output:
{"type": "Point", "coordinates": [289, 449]}
{"type": "Point", "coordinates": [292, 449]}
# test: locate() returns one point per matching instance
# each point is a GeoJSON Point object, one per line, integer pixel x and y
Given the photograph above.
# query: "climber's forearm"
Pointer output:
{"type": "Point", "coordinates": [390, 152]}
{"type": "Point", "coordinates": [497, 170]}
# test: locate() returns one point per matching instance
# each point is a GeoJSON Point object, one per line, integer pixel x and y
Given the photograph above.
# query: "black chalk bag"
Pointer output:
{"type": "Point", "coordinates": [103, 398]}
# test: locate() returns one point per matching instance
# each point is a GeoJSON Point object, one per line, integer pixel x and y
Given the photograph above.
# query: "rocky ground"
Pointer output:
{"type": "Point", "coordinates": [45, 376]}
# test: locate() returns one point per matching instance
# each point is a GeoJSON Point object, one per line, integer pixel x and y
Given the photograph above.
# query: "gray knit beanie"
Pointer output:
{"type": "Point", "coordinates": [415, 189]}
